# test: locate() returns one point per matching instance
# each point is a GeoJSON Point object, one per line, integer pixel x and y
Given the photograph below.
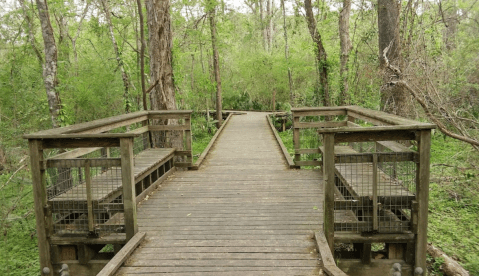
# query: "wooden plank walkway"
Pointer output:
{"type": "Point", "coordinates": [242, 213]}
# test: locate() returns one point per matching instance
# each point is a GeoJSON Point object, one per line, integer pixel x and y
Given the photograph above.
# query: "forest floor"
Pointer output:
{"type": "Point", "coordinates": [453, 200]}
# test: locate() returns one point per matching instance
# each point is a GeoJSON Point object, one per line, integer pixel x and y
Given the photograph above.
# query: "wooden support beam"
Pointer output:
{"type": "Point", "coordinates": [375, 195]}
{"type": "Point", "coordinates": [122, 255]}
{"type": "Point", "coordinates": [62, 143]}
{"type": "Point", "coordinates": [89, 197]}
{"type": "Point", "coordinates": [128, 183]}
{"type": "Point", "coordinates": [40, 199]}
{"type": "Point", "coordinates": [422, 195]}
{"type": "Point", "coordinates": [326, 256]}
{"type": "Point", "coordinates": [329, 187]}
{"type": "Point", "coordinates": [188, 140]}
{"type": "Point", "coordinates": [81, 162]}
{"type": "Point", "coordinates": [320, 124]}
{"type": "Point", "coordinates": [296, 139]}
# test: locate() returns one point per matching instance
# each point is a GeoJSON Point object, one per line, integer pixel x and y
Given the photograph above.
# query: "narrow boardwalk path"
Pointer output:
{"type": "Point", "coordinates": [242, 213]}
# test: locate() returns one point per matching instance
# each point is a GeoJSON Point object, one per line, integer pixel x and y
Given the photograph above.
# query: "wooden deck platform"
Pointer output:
{"type": "Point", "coordinates": [243, 213]}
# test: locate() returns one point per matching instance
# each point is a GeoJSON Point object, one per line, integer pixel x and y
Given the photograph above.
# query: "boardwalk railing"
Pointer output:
{"type": "Point", "coordinates": [376, 175]}
{"type": "Point", "coordinates": [89, 177]}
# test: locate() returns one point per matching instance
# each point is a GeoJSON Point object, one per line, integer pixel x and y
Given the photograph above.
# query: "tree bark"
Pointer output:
{"type": "Point", "coordinates": [450, 267]}
{"type": "Point", "coordinates": [345, 43]}
{"type": "Point", "coordinates": [142, 54]}
{"type": "Point", "coordinates": [320, 52]}
{"type": "Point", "coordinates": [162, 96]}
{"type": "Point", "coordinates": [394, 98]}
{"type": "Point", "coordinates": [216, 63]}
{"type": "Point", "coordinates": [124, 76]}
{"type": "Point", "coordinates": [286, 56]}
{"type": "Point", "coordinates": [50, 67]}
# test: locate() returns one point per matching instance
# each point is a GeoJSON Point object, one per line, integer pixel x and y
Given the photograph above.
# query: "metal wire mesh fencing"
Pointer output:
{"type": "Point", "coordinates": [85, 194]}
{"type": "Point", "coordinates": [375, 188]}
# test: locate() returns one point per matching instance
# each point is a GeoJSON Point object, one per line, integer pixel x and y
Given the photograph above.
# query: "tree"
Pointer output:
{"type": "Point", "coordinates": [50, 66]}
{"type": "Point", "coordinates": [394, 97]}
{"type": "Point", "coordinates": [346, 46]}
{"type": "Point", "coordinates": [124, 76]}
{"type": "Point", "coordinates": [211, 9]}
{"type": "Point", "coordinates": [286, 56]}
{"type": "Point", "coordinates": [320, 52]}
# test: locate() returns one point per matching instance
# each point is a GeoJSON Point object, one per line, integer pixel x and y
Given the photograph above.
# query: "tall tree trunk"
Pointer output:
{"type": "Point", "coordinates": [124, 76]}
{"type": "Point", "coordinates": [345, 43]}
{"type": "Point", "coordinates": [321, 56]}
{"type": "Point", "coordinates": [286, 56]}
{"type": "Point", "coordinates": [263, 25]}
{"type": "Point", "coordinates": [269, 24]}
{"type": "Point", "coordinates": [142, 54]}
{"type": "Point", "coordinates": [394, 98]}
{"type": "Point", "coordinates": [216, 62]}
{"type": "Point", "coordinates": [50, 67]}
{"type": "Point", "coordinates": [31, 36]}
{"type": "Point", "coordinates": [162, 97]}
{"type": "Point", "coordinates": [74, 39]}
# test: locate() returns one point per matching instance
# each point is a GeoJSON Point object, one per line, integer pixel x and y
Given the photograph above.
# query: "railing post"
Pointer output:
{"type": "Point", "coordinates": [128, 183]}
{"type": "Point", "coordinates": [40, 199]}
{"type": "Point", "coordinates": [422, 196]}
{"type": "Point", "coordinates": [296, 138]}
{"type": "Point", "coordinates": [328, 178]}
{"type": "Point", "coordinates": [188, 139]}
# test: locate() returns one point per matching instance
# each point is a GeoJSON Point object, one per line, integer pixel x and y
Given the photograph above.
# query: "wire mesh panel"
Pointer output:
{"type": "Point", "coordinates": [85, 195]}
{"type": "Point", "coordinates": [375, 187]}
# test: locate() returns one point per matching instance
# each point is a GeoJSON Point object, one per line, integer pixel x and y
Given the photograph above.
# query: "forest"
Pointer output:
{"type": "Point", "coordinates": [67, 62]}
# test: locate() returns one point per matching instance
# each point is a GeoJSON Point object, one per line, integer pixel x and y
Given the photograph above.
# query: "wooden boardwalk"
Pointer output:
{"type": "Point", "coordinates": [242, 213]}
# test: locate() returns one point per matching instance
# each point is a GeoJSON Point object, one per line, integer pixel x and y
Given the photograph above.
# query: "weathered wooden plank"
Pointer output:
{"type": "Point", "coordinates": [74, 153]}
{"type": "Point", "coordinates": [342, 237]}
{"type": "Point", "coordinates": [81, 142]}
{"type": "Point", "coordinates": [285, 152]}
{"type": "Point", "coordinates": [168, 127]}
{"type": "Point", "coordinates": [326, 256]}
{"type": "Point", "coordinates": [86, 126]}
{"type": "Point", "coordinates": [81, 162]}
{"type": "Point", "coordinates": [308, 163]}
{"type": "Point", "coordinates": [122, 255]}
{"type": "Point", "coordinates": [307, 151]}
{"type": "Point", "coordinates": [128, 185]}
{"type": "Point", "coordinates": [329, 188]}
{"type": "Point", "coordinates": [320, 124]}
{"type": "Point", "coordinates": [206, 151]}
{"type": "Point", "coordinates": [422, 192]}
{"type": "Point", "coordinates": [39, 197]}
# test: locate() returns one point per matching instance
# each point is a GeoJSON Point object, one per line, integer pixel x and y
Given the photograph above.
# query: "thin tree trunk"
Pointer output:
{"type": "Point", "coordinates": [50, 66]}
{"type": "Point", "coordinates": [321, 56]}
{"type": "Point", "coordinates": [124, 76]}
{"type": "Point", "coordinates": [31, 36]}
{"type": "Point", "coordinates": [216, 63]}
{"type": "Point", "coordinates": [346, 47]}
{"type": "Point", "coordinates": [74, 39]}
{"type": "Point", "coordinates": [269, 25]}
{"type": "Point", "coordinates": [286, 56]}
{"type": "Point", "coordinates": [142, 54]}
{"type": "Point", "coordinates": [263, 26]}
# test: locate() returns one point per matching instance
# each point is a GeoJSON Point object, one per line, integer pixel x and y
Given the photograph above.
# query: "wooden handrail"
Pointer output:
{"type": "Point", "coordinates": [106, 124]}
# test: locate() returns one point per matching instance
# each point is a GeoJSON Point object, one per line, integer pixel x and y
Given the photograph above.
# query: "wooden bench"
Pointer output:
{"type": "Point", "coordinates": [150, 167]}
{"type": "Point", "coordinates": [354, 190]}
